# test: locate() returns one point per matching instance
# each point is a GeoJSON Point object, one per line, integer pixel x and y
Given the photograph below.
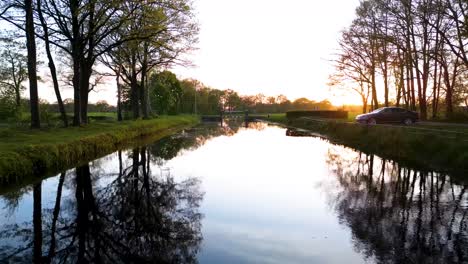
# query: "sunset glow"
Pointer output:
{"type": "Point", "coordinates": [273, 49]}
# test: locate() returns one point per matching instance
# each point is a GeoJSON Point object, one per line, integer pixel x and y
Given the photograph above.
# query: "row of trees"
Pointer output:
{"type": "Point", "coordinates": [409, 53]}
{"type": "Point", "coordinates": [131, 38]}
{"type": "Point", "coordinates": [168, 95]}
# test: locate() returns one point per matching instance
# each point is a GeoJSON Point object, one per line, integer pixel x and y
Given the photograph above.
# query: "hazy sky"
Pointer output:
{"type": "Point", "coordinates": [269, 46]}
{"type": "Point", "coordinates": [261, 46]}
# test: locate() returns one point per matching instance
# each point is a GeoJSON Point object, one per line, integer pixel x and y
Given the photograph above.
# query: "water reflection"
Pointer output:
{"type": "Point", "coordinates": [265, 204]}
{"type": "Point", "coordinates": [294, 132]}
{"type": "Point", "coordinates": [191, 139]}
{"type": "Point", "coordinates": [138, 217]}
{"type": "Point", "coordinates": [399, 215]}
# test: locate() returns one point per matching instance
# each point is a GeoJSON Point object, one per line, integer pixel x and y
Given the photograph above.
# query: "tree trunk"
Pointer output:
{"type": "Point", "coordinates": [77, 61]}
{"type": "Point", "coordinates": [418, 80]}
{"type": "Point", "coordinates": [413, 94]}
{"type": "Point", "coordinates": [143, 88]}
{"type": "Point", "coordinates": [85, 204]}
{"type": "Point", "coordinates": [85, 75]}
{"type": "Point", "coordinates": [385, 79]}
{"type": "Point", "coordinates": [87, 65]}
{"type": "Point", "coordinates": [37, 222]}
{"type": "Point", "coordinates": [18, 95]}
{"type": "Point", "coordinates": [134, 95]}
{"type": "Point", "coordinates": [449, 85]}
{"type": "Point", "coordinates": [76, 96]}
{"type": "Point", "coordinates": [143, 95]}
{"type": "Point", "coordinates": [32, 65]}
{"type": "Point", "coordinates": [53, 70]}
{"type": "Point", "coordinates": [434, 90]}
{"type": "Point", "coordinates": [55, 215]}
{"type": "Point", "coordinates": [409, 57]}
{"type": "Point", "coordinates": [364, 104]}
{"type": "Point", "coordinates": [375, 102]}
{"type": "Point", "coordinates": [400, 82]}
{"type": "Point", "coordinates": [439, 84]}
{"type": "Point", "coordinates": [119, 97]}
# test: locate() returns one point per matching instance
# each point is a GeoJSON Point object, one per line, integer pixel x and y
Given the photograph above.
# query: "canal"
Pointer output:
{"type": "Point", "coordinates": [237, 194]}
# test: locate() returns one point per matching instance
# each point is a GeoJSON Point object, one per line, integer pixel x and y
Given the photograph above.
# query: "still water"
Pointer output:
{"type": "Point", "coordinates": [227, 194]}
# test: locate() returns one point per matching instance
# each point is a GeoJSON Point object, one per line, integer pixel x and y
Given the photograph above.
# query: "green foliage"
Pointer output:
{"type": "Point", "coordinates": [278, 118]}
{"type": "Point", "coordinates": [165, 93]}
{"type": "Point", "coordinates": [102, 106]}
{"type": "Point", "coordinates": [458, 116]}
{"type": "Point", "coordinates": [25, 152]}
{"type": "Point", "coordinates": [169, 95]}
{"type": "Point", "coordinates": [8, 108]}
{"type": "Point", "coordinates": [44, 113]}
{"type": "Point", "coordinates": [306, 104]}
{"type": "Point", "coordinates": [13, 68]}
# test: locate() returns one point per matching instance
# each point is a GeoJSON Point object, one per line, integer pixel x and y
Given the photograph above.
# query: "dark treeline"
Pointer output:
{"type": "Point", "coordinates": [409, 53]}
{"type": "Point", "coordinates": [399, 215]}
{"type": "Point", "coordinates": [132, 38]}
{"type": "Point", "coordinates": [48, 111]}
{"type": "Point", "coordinates": [168, 95]}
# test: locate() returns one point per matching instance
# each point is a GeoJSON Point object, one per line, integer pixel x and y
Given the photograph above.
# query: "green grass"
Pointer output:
{"type": "Point", "coordinates": [108, 114]}
{"type": "Point", "coordinates": [24, 152]}
{"type": "Point", "coordinates": [436, 146]}
{"type": "Point", "coordinates": [423, 149]}
{"type": "Point", "coordinates": [352, 115]}
{"type": "Point", "coordinates": [444, 129]}
{"type": "Point", "coordinates": [279, 118]}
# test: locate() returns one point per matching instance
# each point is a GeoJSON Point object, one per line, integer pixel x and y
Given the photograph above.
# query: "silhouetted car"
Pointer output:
{"type": "Point", "coordinates": [388, 115]}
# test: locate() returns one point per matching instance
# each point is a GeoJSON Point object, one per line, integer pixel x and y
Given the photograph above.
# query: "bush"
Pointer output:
{"type": "Point", "coordinates": [459, 117]}
{"type": "Point", "coordinates": [322, 114]}
{"type": "Point", "coordinates": [44, 114]}
{"type": "Point", "coordinates": [8, 109]}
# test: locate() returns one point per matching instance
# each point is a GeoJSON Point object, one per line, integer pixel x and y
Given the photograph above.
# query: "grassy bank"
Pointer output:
{"type": "Point", "coordinates": [24, 153]}
{"type": "Point", "coordinates": [442, 150]}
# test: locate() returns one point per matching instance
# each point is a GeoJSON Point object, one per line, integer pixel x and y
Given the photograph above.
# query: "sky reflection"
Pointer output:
{"type": "Point", "coordinates": [240, 195]}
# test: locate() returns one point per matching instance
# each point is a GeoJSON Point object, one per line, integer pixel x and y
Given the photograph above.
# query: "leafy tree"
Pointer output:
{"type": "Point", "coordinates": [165, 92]}
{"type": "Point", "coordinates": [13, 69]}
{"type": "Point", "coordinates": [21, 14]}
{"type": "Point", "coordinates": [102, 106]}
{"type": "Point", "coordinates": [416, 47]}
{"type": "Point", "coordinates": [7, 107]}
{"type": "Point", "coordinates": [165, 31]}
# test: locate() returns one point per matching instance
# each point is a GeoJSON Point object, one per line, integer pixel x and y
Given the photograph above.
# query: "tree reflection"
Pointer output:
{"type": "Point", "coordinates": [398, 215]}
{"type": "Point", "coordinates": [169, 147]}
{"type": "Point", "coordinates": [138, 217]}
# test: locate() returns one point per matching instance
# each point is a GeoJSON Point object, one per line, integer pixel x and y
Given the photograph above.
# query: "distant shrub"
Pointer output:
{"type": "Point", "coordinates": [7, 108]}
{"type": "Point", "coordinates": [101, 118]}
{"type": "Point", "coordinates": [459, 117]}
{"type": "Point", "coordinates": [44, 113]}
{"type": "Point", "coordinates": [321, 113]}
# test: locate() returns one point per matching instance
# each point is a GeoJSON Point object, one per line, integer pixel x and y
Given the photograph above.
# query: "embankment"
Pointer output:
{"type": "Point", "coordinates": [26, 153]}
